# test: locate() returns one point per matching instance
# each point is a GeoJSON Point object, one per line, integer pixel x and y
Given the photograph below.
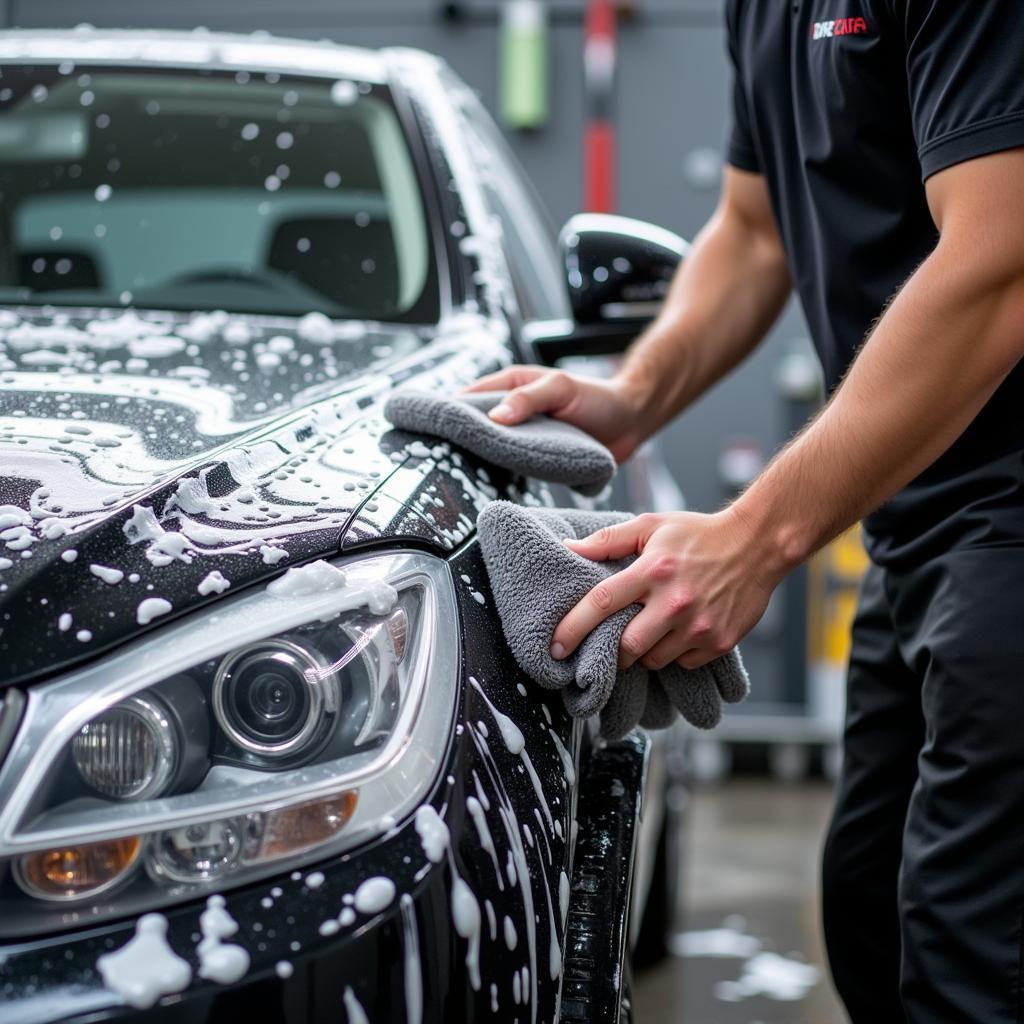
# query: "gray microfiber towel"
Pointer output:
{"type": "Point", "coordinates": [541, 447]}
{"type": "Point", "coordinates": [536, 580]}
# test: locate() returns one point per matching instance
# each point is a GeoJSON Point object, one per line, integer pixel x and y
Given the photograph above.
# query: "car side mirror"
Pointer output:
{"type": "Point", "coordinates": [618, 271]}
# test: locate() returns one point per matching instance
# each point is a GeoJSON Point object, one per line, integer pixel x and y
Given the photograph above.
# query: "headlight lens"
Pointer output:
{"type": "Point", "coordinates": [273, 730]}
{"type": "Point", "coordinates": [274, 698]}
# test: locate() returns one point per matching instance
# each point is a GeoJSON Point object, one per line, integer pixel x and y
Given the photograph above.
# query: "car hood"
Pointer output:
{"type": "Point", "coordinates": [150, 462]}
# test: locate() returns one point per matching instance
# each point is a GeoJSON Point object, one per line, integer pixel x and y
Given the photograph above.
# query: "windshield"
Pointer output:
{"type": "Point", "coordinates": [186, 190]}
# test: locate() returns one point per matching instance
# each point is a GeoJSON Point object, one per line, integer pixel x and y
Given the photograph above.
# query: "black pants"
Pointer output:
{"type": "Point", "coordinates": [923, 874]}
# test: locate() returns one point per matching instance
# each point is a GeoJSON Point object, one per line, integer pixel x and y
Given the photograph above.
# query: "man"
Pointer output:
{"type": "Point", "coordinates": [873, 161]}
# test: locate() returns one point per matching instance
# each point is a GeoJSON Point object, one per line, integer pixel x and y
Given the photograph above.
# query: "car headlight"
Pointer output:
{"type": "Point", "coordinates": [272, 730]}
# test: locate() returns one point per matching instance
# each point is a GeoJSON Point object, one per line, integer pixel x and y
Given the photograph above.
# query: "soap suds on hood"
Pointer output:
{"type": "Point", "coordinates": [107, 574]}
{"type": "Point", "coordinates": [151, 608]}
{"type": "Point", "coordinates": [213, 583]}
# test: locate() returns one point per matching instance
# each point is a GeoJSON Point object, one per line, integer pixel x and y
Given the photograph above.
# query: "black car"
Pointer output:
{"type": "Point", "coordinates": [264, 754]}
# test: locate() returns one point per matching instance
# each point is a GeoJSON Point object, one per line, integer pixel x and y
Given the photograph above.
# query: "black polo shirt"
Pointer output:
{"type": "Point", "coordinates": [847, 107]}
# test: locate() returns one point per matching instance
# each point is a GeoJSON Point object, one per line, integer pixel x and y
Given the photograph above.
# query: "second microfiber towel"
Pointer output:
{"type": "Point", "coordinates": [536, 580]}
{"type": "Point", "coordinates": [541, 447]}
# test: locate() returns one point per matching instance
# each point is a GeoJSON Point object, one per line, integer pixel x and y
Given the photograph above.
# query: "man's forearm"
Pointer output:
{"type": "Point", "coordinates": [940, 351]}
{"type": "Point", "coordinates": [726, 295]}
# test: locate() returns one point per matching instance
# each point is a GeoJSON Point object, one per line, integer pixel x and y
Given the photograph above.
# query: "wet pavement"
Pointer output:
{"type": "Point", "coordinates": [751, 952]}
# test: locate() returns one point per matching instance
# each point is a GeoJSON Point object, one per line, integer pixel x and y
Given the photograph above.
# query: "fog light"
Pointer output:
{"type": "Point", "coordinates": [77, 870]}
{"type": "Point", "coordinates": [128, 752]}
{"type": "Point", "coordinates": [198, 853]}
{"type": "Point", "coordinates": [294, 829]}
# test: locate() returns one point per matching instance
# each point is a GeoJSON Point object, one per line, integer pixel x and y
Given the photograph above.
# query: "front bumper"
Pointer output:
{"type": "Point", "coordinates": [512, 821]}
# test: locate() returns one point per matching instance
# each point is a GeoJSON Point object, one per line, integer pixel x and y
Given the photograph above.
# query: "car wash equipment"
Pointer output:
{"type": "Point", "coordinates": [536, 580]}
{"type": "Point", "coordinates": [541, 447]}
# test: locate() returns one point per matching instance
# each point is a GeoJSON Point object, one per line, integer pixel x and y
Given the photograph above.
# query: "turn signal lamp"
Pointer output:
{"type": "Point", "coordinates": [295, 829]}
{"type": "Point", "coordinates": [78, 870]}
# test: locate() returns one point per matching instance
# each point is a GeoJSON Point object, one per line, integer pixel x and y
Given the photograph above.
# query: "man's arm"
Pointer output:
{"type": "Point", "coordinates": [942, 348]}
{"type": "Point", "coordinates": [723, 299]}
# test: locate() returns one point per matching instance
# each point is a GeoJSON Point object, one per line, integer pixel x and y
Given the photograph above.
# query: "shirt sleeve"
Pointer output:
{"type": "Point", "coordinates": [740, 150]}
{"type": "Point", "coordinates": [965, 76]}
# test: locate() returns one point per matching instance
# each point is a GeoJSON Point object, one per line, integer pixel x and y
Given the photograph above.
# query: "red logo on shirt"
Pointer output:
{"type": "Point", "coordinates": [839, 27]}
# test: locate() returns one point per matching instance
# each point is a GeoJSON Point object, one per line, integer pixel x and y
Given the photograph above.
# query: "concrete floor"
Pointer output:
{"type": "Point", "coordinates": [751, 893]}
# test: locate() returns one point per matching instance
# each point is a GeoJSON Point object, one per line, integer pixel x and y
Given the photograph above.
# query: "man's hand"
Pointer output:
{"type": "Point", "coordinates": [701, 579]}
{"type": "Point", "coordinates": [606, 409]}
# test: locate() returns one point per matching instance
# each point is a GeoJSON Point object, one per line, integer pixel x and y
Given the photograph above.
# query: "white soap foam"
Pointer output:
{"type": "Point", "coordinates": [413, 966]}
{"type": "Point", "coordinates": [272, 555]}
{"type": "Point", "coordinates": [768, 974]}
{"type": "Point", "coordinates": [213, 583]}
{"type": "Point", "coordinates": [320, 577]}
{"type": "Point", "coordinates": [374, 895]}
{"type": "Point", "coordinates": [146, 968]}
{"type": "Point", "coordinates": [483, 831]}
{"type": "Point", "coordinates": [219, 961]}
{"type": "Point", "coordinates": [433, 833]}
{"type": "Point", "coordinates": [563, 895]}
{"type": "Point", "coordinates": [107, 574]}
{"type": "Point", "coordinates": [466, 916]}
{"type": "Point", "coordinates": [510, 732]}
{"type": "Point", "coordinates": [354, 1008]}
{"type": "Point", "coordinates": [151, 608]}
{"type": "Point", "coordinates": [316, 327]}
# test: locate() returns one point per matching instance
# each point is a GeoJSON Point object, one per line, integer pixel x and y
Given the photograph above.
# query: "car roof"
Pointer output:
{"type": "Point", "coordinates": [202, 49]}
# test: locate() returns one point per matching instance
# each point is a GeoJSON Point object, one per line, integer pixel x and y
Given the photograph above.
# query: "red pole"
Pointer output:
{"type": "Point", "coordinates": [599, 133]}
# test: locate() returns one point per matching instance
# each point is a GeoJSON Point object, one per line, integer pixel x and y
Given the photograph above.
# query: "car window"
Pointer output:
{"type": "Point", "coordinates": [254, 193]}
{"type": "Point", "coordinates": [530, 241]}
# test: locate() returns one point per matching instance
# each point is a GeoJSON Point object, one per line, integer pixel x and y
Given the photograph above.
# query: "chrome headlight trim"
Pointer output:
{"type": "Point", "coordinates": [316, 689]}
{"type": "Point", "coordinates": [391, 779]}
